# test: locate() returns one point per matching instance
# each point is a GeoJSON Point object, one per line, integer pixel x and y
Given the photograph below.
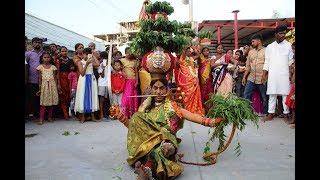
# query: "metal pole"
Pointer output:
{"type": "Point", "coordinates": [235, 26]}
{"type": "Point", "coordinates": [219, 34]}
{"type": "Point", "coordinates": [191, 13]}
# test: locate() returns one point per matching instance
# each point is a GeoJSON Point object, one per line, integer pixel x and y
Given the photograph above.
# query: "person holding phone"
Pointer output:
{"type": "Point", "coordinates": [87, 89]}
{"type": "Point", "coordinates": [102, 83]}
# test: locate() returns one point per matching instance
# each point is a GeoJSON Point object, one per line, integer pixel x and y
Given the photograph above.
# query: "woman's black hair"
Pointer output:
{"type": "Point", "coordinates": [64, 47]}
{"type": "Point", "coordinates": [204, 49]}
{"type": "Point", "coordinates": [104, 55]}
{"type": "Point", "coordinates": [41, 57]}
{"type": "Point", "coordinates": [127, 50]}
{"type": "Point", "coordinates": [118, 52]}
{"type": "Point", "coordinates": [118, 61]}
{"type": "Point", "coordinates": [241, 58]}
{"type": "Point", "coordinates": [87, 51]}
{"type": "Point", "coordinates": [163, 80]}
{"type": "Point", "coordinates": [75, 67]}
{"type": "Point", "coordinates": [77, 45]}
{"type": "Point", "coordinates": [219, 44]}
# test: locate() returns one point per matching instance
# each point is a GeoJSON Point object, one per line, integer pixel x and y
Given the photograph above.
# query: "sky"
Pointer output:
{"type": "Point", "coordinates": [92, 17]}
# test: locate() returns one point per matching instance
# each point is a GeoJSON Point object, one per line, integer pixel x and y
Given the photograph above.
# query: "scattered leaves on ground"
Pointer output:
{"type": "Point", "coordinates": [118, 169]}
{"type": "Point", "coordinates": [116, 177]}
{"type": "Point", "coordinates": [30, 135]}
{"type": "Point", "coordinates": [66, 133]}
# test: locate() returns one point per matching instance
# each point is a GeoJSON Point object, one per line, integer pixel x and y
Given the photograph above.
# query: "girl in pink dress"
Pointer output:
{"type": "Point", "coordinates": [73, 81]}
{"type": "Point", "coordinates": [130, 105]}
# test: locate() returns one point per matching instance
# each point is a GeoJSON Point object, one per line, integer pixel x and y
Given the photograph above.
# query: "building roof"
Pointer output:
{"type": "Point", "coordinates": [246, 28]}
{"type": "Point", "coordinates": [36, 27]}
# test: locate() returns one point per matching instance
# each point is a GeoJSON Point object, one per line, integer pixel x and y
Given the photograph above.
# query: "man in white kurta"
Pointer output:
{"type": "Point", "coordinates": [278, 58]}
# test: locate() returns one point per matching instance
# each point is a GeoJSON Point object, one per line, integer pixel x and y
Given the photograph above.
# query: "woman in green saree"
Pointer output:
{"type": "Point", "coordinates": [151, 141]}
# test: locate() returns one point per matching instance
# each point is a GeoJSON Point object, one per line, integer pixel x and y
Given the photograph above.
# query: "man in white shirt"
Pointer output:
{"type": "Point", "coordinates": [278, 58]}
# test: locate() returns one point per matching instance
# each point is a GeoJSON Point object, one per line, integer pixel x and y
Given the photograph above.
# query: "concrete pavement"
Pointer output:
{"type": "Point", "coordinates": [99, 152]}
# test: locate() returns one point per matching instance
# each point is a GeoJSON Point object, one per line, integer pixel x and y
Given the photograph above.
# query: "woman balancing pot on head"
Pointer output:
{"type": "Point", "coordinates": [151, 141]}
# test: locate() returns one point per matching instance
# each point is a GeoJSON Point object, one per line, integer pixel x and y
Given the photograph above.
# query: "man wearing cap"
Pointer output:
{"type": "Point", "coordinates": [252, 78]}
{"type": "Point", "coordinates": [33, 60]}
{"type": "Point", "coordinates": [278, 58]}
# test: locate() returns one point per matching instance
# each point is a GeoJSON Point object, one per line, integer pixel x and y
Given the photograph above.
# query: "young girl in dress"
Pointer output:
{"type": "Point", "coordinates": [130, 105]}
{"type": "Point", "coordinates": [73, 81]}
{"type": "Point", "coordinates": [87, 88]}
{"type": "Point", "coordinates": [47, 86]}
{"type": "Point", "coordinates": [63, 65]}
{"type": "Point", "coordinates": [239, 72]}
{"type": "Point", "coordinates": [117, 83]}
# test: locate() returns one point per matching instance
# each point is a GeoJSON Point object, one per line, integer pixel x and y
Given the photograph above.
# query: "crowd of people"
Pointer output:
{"type": "Point", "coordinates": [85, 86]}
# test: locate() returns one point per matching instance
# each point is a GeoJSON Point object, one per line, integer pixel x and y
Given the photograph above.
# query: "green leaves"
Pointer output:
{"type": "Point", "coordinates": [172, 36]}
{"type": "Point", "coordinates": [207, 148]}
{"type": "Point", "coordinates": [205, 34]}
{"type": "Point", "coordinates": [66, 133]}
{"type": "Point", "coordinates": [185, 29]}
{"type": "Point", "coordinates": [161, 24]}
{"type": "Point", "coordinates": [161, 7]}
{"type": "Point", "coordinates": [234, 110]}
{"type": "Point", "coordinates": [30, 135]}
{"type": "Point", "coordinates": [118, 169]}
{"type": "Point", "coordinates": [238, 149]}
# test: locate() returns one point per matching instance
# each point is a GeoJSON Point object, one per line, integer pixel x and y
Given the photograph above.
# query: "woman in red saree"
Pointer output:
{"type": "Point", "coordinates": [187, 79]}
{"type": "Point", "coordinates": [205, 75]}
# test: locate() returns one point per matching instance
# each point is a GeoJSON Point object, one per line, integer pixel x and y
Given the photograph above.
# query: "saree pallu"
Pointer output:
{"type": "Point", "coordinates": [205, 79]}
{"type": "Point", "coordinates": [222, 80]}
{"type": "Point", "coordinates": [257, 102]}
{"type": "Point", "coordinates": [187, 79]}
{"type": "Point", "coordinates": [290, 100]}
{"type": "Point", "coordinates": [129, 104]}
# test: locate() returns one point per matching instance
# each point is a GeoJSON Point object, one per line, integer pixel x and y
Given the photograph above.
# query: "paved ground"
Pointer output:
{"type": "Point", "coordinates": [98, 152]}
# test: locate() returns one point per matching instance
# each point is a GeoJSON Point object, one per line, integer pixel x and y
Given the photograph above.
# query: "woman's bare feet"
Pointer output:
{"type": "Point", "coordinates": [40, 122]}
{"type": "Point", "coordinates": [93, 118]}
{"type": "Point", "coordinates": [168, 149]}
{"type": "Point", "coordinates": [101, 116]}
{"type": "Point", "coordinates": [292, 126]}
{"type": "Point", "coordinates": [139, 169]}
{"type": "Point", "coordinates": [81, 118]}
